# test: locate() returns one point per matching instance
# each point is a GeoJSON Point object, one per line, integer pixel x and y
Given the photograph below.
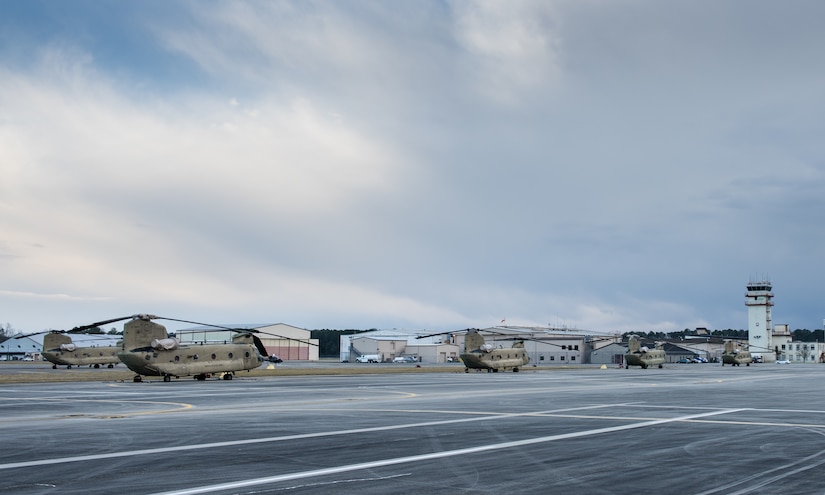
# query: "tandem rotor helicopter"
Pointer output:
{"type": "Point", "coordinates": [638, 355]}
{"type": "Point", "coordinates": [478, 354]}
{"type": "Point", "coordinates": [735, 356]}
{"type": "Point", "coordinates": [148, 350]}
{"type": "Point", "coordinates": [60, 350]}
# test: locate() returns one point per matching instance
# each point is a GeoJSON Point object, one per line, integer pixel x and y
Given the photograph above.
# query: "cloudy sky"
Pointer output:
{"type": "Point", "coordinates": [602, 165]}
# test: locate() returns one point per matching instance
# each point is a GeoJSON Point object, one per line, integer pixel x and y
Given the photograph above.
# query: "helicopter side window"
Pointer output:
{"type": "Point", "coordinates": [246, 354]}
{"type": "Point", "coordinates": [214, 356]}
{"type": "Point", "coordinates": [177, 359]}
{"type": "Point", "coordinates": [230, 355]}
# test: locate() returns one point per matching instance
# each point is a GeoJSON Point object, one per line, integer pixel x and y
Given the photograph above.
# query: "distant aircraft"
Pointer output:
{"type": "Point", "coordinates": [637, 355]}
{"type": "Point", "coordinates": [734, 356]}
{"type": "Point", "coordinates": [478, 354]}
{"type": "Point", "coordinates": [60, 350]}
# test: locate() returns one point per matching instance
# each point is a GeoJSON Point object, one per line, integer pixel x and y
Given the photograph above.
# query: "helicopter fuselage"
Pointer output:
{"type": "Point", "coordinates": [149, 351]}
{"type": "Point", "coordinates": [59, 349]}
{"type": "Point", "coordinates": [499, 359]}
{"type": "Point", "coordinates": [653, 357]}
{"type": "Point", "coordinates": [737, 359]}
{"type": "Point", "coordinates": [192, 360]}
{"type": "Point", "coordinates": [83, 356]}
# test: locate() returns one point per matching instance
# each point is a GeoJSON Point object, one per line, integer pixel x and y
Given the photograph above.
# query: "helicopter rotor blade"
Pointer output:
{"type": "Point", "coordinates": [81, 328]}
{"type": "Point", "coordinates": [239, 330]}
{"type": "Point", "coordinates": [260, 346]}
{"type": "Point", "coordinates": [23, 336]}
{"type": "Point", "coordinates": [444, 333]}
{"type": "Point", "coordinates": [287, 338]}
{"type": "Point", "coordinates": [205, 324]}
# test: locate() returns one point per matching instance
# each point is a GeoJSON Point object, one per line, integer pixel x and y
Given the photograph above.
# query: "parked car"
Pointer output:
{"type": "Point", "coordinates": [368, 358]}
{"type": "Point", "coordinates": [783, 361]}
{"type": "Point", "coordinates": [684, 360]}
{"type": "Point", "coordinates": [274, 359]}
{"type": "Point", "coordinates": [405, 359]}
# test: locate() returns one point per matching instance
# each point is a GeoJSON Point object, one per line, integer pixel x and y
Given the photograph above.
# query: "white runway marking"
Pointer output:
{"type": "Point", "coordinates": [180, 448]}
{"type": "Point", "coordinates": [435, 455]}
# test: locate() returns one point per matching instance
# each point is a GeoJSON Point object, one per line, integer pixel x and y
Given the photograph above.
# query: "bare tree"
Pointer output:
{"type": "Point", "coordinates": [6, 331]}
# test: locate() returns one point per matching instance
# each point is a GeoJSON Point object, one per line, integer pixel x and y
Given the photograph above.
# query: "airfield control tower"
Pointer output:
{"type": "Point", "coordinates": [759, 301]}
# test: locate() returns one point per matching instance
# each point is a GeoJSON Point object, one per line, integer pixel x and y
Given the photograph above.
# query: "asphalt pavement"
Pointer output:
{"type": "Point", "coordinates": [688, 429]}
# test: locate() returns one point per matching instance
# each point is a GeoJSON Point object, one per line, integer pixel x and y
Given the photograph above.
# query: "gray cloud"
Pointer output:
{"type": "Point", "coordinates": [609, 166]}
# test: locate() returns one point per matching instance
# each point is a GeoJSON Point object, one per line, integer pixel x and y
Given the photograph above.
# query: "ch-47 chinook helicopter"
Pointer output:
{"type": "Point", "coordinates": [148, 350]}
{"type": "Point", "coordinates": [478, 354]}
{"type": "Point", "coordinates": [60, 350]}
{"type": "Point", "coordinates": [734, 356]}
{"type": "Point", "coordinates": [638, 355]}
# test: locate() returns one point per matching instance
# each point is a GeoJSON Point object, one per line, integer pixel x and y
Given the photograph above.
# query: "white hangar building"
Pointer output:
{"type": "Point", "coordinates": [543, 346]}
{"type": "Point", "coordinates": [389, 344]}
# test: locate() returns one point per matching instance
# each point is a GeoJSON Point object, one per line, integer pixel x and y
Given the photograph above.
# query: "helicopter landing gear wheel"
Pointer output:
{"type": "Point", "coordinates": [137, 379]}
{"type": "Point", "coordinates": [200, 377]}
{"type": "Point", "coordinates": [167, 378]}
{"type": "Point", "coordinates": [111, 365]}
{"type": "Point", "coordinates": [97, 366]}
{"type": "Point", "coordinates": [54, 366]}
{"type": "Point", "coordinates": [227, 376]}
{"type": "Point", "coordinates": [515, 370]}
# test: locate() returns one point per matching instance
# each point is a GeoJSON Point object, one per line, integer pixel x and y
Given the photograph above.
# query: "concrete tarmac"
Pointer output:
{"type": "Point", "coordinates": [687, 429]}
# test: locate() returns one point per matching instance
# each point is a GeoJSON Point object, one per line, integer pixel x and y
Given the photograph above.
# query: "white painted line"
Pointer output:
{"type": "Point", "coordinates": [434, 455]}
{"type": "Point", "coordinates": [181, 448]}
